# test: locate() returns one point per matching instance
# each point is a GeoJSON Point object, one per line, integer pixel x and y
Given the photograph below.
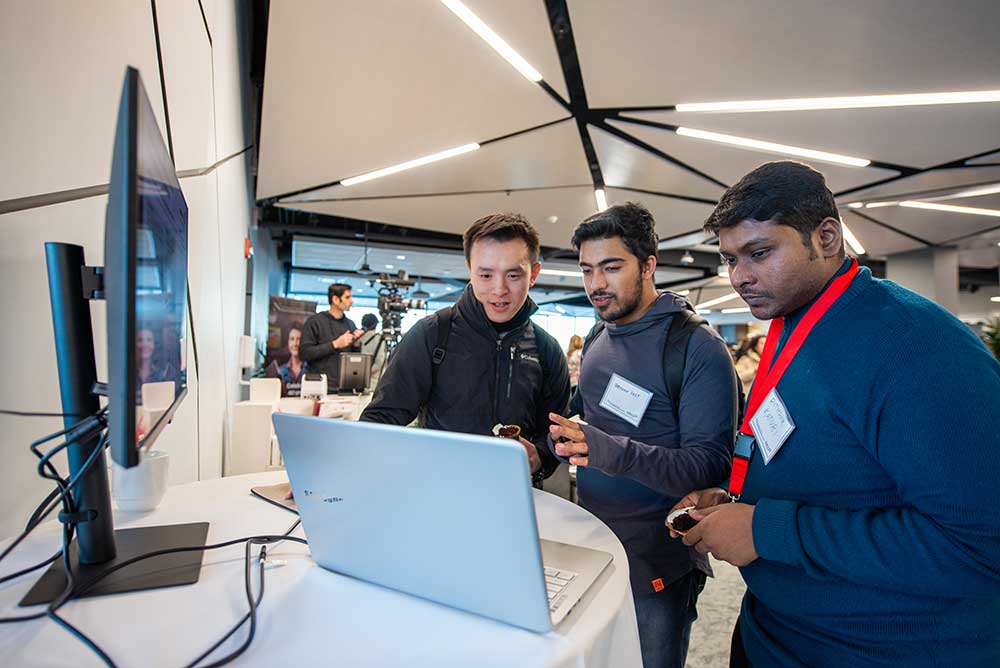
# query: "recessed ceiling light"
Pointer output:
{"type": "Point", "coordinates": [950, 208]}
{"type": "Point", "coordinates": [742, 309]}
{"type": "Point", "coordinates": [687, 258]}
{"type": "Point", "coordinates": [771, 147]}
{"type": "Point", "coordinates": [389, 266]}
{"type": "Point", "coordinates": [418, 162]}
{"type": "Point", "coordinates": [494, 40]}
{"type": "Point", "coordinates": [602, 202]}
{"type": "Point", "coordinates": [856, 205]}
{"type": "Point", "coordinates": [400, 257]}
{"type": "Point", "coordinates": [850, 102]}
{"type": "Point", "coordinates": [995, 299]}
{"type": "Point", "coordinates": [552, 220]}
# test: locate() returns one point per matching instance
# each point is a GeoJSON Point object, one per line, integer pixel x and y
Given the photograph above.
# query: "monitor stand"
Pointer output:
{"type": "Point", "coordinates": [168, 570]}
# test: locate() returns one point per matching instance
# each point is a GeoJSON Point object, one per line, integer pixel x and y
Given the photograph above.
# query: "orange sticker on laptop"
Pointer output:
{"type": "Point", "coordinates": [658, 585]}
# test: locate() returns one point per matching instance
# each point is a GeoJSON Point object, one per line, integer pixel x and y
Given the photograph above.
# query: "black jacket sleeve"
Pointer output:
{"type": "Point", "coordinates": [406, 384]}
{"type": "Point", "coordinates": [554, 399]}
{"type": "Point", "coordinates": [312, 346]}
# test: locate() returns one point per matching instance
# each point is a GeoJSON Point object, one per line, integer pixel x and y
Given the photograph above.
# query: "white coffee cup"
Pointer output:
{"type": "Point", "coordinates": [141, 488]}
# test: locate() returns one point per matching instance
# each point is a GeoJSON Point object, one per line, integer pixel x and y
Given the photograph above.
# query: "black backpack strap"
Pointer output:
{"type": "Point", "coordinates": [444, 317]}
{"type": "Point", "coordinates": [682, 326]}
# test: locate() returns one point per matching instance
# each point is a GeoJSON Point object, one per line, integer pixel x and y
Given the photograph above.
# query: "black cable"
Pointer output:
{"type": "Point", "coordinates": [39, 414]}
{"type": "Point", "coordinates": [12, 576]}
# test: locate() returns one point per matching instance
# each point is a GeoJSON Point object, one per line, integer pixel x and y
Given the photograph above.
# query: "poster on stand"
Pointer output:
{"type": "Point", "coordinates": [284, 335]}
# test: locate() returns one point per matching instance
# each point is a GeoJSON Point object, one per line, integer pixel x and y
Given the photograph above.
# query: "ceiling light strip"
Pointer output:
{"type": "Point", "coordinates": [852, 240]}
{"type": "Point", "coordinates": [850, 102]}
{"type": "Point", "coordinates": [771, 147]}
{"type": "Point", "coordinates": [950, 208]}
{"type": "Point", "coordinates": [602, 202]}
{"type": "Point", "coordinates": [419, 162]}
{"type": "Point", "coordinates": [716, 301]}
{"type": "Point", "coordinates": [494, 40]}
{"type": "Point", "coordinates": [561, 272]}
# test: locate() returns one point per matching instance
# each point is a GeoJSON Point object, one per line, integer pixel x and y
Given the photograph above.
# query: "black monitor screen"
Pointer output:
{"type": "Point", "coordinates": [146, 238]}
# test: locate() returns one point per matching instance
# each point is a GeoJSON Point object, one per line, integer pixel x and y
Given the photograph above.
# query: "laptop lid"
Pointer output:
{"type": "Point", "coordinates": [444, 516]}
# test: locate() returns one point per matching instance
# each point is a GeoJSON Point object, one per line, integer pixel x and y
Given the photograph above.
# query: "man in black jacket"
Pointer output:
{"type": "Point", "coordinates": [328, 333]}
{"type": "Point", "coordinates": [482, 361]}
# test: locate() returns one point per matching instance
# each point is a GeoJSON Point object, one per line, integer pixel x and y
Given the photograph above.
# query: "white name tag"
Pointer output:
{"type": "Point", "coordinates": [626, 399]}
{"type": "Point", "coordinates": [772, 425]}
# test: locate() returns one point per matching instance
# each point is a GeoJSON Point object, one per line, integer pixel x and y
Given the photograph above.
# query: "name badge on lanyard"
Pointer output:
{"type": "Point", "coordinates": [772, 425]}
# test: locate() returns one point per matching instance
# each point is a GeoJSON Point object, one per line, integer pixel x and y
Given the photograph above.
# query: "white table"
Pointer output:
{"type": "Point", "coordinates": [311, 616]}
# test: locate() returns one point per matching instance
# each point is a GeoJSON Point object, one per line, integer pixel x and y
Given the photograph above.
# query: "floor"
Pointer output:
{"type": "Point", "coordinates": [718, 607]}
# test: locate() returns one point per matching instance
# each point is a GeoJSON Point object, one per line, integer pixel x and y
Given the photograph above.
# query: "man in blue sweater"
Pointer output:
{"type": "Point", "coordinates": [868, 527]}
{"type": "Point", "coordinates": [636, 457]}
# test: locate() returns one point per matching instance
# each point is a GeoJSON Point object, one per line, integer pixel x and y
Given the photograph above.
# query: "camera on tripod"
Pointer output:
{"type": "Point", "coordinates": [392, 306]}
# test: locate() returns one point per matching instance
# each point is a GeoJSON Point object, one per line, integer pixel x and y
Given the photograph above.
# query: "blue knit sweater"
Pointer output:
{"type": "Point", "coordinates": [878, 522]}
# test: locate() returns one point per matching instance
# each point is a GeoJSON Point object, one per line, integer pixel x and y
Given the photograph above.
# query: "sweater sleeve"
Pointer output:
{"type": "Point", "coordinates": [406, 383]}
{"type": "Point", "coordinates": [312, 347]}
{"type": "Point", "coordinates": [933, 428]}
{"type": "Point", "coordinates": [707, 420]}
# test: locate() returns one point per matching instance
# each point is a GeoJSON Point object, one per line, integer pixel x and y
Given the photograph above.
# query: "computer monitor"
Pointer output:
{"type": "Point", "coordinates": [144, 281]}
{"type": "Point", "coordinates": [145, 261]}
{"type": "Point", "coordinates": [354, 372]}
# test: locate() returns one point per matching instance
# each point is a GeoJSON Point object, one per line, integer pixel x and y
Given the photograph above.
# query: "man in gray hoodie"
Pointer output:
{"type": "Point", "coordinates": [635, 457]}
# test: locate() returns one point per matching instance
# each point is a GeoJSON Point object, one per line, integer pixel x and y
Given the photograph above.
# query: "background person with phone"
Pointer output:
{"type": "Point", "coordinates": [329, 333]}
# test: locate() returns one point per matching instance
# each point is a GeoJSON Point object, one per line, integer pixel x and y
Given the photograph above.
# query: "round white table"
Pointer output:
{"type": "Point", "coordinates": [310, 616]}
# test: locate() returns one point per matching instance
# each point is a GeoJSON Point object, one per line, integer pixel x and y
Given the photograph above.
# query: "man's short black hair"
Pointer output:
{"type": "Point", "coordinates": [630, 221]}
{"type": "Point", "coordinates": [369, 321]}
{"type": "Point", "coordinates": [502, 227]}
{"type": "Point", "coordinates": [337, 290]}
{"type": "Point", "coordinates": [786, 192]}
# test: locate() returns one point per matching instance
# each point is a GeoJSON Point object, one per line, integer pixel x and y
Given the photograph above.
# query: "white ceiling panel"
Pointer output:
{"type": "Point", "coordinates": [455, 213]}
{"type": "Point", "coordinates": [656, 52]}
{"type": "Point", "coordinates": [625, 165]}
{"type": "Point", "coordinates": [933, 226]}
{"type": "Point", "coordinates": [729, 164]}
{"type": "Point", "coordinates": [911, 136]}
{"type": "Point", "coordinates": [672, 216]}
{"type": "Point", "coordinates": [546, 157]}
{"type": "Point", "coordinates": [357, 86]}
{"type": "Point", "coordinates": [878, 240]}
{"type": "Point", "coordinates": [926, 184]}
{"type": "Point", "coordinates": [524, 25]}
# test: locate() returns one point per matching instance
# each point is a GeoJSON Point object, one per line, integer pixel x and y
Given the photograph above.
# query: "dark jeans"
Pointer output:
{"type": "Point", "coordinates": [665, 621]}
{"type": "Point", "coordinates": [737, 655]}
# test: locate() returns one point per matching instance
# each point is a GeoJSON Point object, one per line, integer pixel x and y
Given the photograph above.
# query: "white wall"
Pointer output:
{"type": "Point", "coordinates": [62, 65]}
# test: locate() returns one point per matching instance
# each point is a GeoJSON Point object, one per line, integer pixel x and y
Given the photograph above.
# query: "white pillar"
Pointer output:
{"type": "Point", "coordinates": [931, 272]}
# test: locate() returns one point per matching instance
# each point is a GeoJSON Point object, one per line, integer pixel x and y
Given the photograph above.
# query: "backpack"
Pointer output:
{"type": "Point", "coordinates": [682, 326]}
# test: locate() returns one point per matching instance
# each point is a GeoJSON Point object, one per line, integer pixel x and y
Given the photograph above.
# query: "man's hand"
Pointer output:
{"type": "Point", "coordinates": [344, 340]}
{"type": "Point", "coordinates": [574, 444]}
{"type": "Point", "coordinates": [534, 461]}
{"type": "Point", "coordinates": [725, 530]}
{"type": "Point", "coordinates": [702, 498]}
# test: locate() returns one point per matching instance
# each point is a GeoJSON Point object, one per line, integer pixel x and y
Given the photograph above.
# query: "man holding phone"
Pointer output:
{"type": "Point", "coordinates": [327, 334]}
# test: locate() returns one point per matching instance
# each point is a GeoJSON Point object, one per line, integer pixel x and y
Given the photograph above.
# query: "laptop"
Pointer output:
{"type": "Point", "coordinates": [443, 516]}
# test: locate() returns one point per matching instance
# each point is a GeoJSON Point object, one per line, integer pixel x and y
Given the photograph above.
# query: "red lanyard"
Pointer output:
{"type": "Point", "coordinates": [768, 376]}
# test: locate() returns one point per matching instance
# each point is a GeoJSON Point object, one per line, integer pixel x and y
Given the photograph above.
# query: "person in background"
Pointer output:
{"type": "Point", "coordinates": [328, 333]}
{"type": "Point", "coordinates": [747, 357]}
{"type": "Point", "coordinates": [373, 343]}
{"type": "Point", "coordinates": [482, 362]}
{"type": "Point", "coordinates": [573, 360]}
{"type": "Point", "coordinates": [641, 450]}
{"type": "Point", "coordinates": [867, 526]}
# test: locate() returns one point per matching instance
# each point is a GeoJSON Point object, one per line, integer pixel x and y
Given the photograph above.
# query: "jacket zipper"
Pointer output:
{"type": "Point", "coordinates": [496, 381]}
{"type": "Point", "coordinates": [510, 371]}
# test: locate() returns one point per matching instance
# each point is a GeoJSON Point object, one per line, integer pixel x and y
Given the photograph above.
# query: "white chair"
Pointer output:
{"type": "Point", "coordinates": [265, 390]}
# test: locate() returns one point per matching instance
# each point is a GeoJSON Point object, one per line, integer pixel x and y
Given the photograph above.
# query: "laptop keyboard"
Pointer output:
{"type": "Point", "coordinates": [556, 581]}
